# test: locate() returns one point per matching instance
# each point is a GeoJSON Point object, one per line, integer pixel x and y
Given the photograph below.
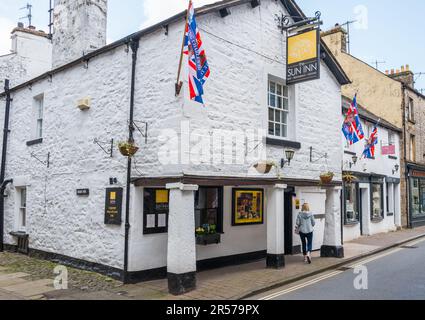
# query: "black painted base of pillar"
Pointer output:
{"type": "Point", "coordinates": [179, 284]}
{"type": "Point", "coordinates": [332, 252]}
{"type": "Point", "coordinates": [275, 261]}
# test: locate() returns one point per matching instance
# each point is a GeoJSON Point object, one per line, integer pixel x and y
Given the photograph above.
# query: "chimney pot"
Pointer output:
{"type": "Point", "coordinates": [387, 72]}
{"type": "Point", "coordinates": [20, 25]}
{"type": "Point", "coordinates": [402, 68]}
{"type": "Point", "coordinates": [392, 71]}
{"type": "Point", "coordinates": [407, 67]}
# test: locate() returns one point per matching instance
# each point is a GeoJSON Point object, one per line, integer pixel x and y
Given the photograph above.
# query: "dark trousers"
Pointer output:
{"type": "Point", "coordinates": [307, 242]}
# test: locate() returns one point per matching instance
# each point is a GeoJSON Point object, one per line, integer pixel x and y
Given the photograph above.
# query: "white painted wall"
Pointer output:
{"type": "Point", "coordinates": [31, 55]}
{"type": "Point", "coordinates": [59, 221]}
{"type": "Point", "coordinates": [382, 165]}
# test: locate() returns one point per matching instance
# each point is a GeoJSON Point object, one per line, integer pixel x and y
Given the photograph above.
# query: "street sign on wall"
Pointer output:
{"type": "Point", "coordinates": [113, 206]}
{"type": "Point", "coordinates": [303, 57]}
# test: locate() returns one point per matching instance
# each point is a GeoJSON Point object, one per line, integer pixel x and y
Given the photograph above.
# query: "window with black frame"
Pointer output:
{"type": "Point", "coordinates": [377, 201]}
{"type": "Point", "coordinates": [417, 194]}
{"type": "Point", "coordinates": [351, 208]}
{"type": "Point", "coordinates": [155, 211]}
{"type": "Point", "coordinates": [209, 208]}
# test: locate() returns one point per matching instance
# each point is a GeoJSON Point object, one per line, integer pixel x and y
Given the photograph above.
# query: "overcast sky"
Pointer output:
{"type": "Point", "coordinates": [385, 31]}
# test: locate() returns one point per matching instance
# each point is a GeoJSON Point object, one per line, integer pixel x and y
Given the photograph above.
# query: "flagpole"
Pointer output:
{"type": "Point", "coordinates": [179, 83]}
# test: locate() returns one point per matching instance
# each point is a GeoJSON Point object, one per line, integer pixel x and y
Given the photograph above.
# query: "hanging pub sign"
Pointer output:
{"type": "Point", "coordinates": [303, 57]}
{"type": "Point", "coordinates": [113, 206]}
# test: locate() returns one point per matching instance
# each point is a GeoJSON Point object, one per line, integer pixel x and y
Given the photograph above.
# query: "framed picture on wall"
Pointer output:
{"type": "Point", "coordinates": [247, 207]}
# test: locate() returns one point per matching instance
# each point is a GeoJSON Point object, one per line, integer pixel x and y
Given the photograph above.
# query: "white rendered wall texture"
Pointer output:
{"type": "Point", "coordinates": [236, 99]}
{"type": "Point", "coordinates": [79, 28]}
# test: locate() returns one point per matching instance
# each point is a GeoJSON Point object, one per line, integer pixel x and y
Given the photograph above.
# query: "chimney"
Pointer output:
{"type": "Point", "coordinates": [79, 28]}
{"type": "Point", "coordinates": [336, 39]}
{"type": "Point", "coordinates": [404, 75]}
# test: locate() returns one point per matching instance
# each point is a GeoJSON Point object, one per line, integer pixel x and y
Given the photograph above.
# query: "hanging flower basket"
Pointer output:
{"type": "Point", "coordinates": [128, 149]}
{"type": "Point", "coordinates": [349, 178]}
{"type": "Point", "coordinates": [264, 167]}
{"type": "Point", "coordinates": [327, 177]}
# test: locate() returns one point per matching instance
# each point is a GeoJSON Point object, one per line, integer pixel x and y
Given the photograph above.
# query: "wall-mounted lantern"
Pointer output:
{"type": "Point", "coordinates": [289, 157]}
{"type": "Point", "coordinates": [396, 168]}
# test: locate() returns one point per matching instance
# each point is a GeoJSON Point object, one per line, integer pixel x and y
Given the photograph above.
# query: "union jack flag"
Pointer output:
{"type": "Point", "coordinates": [199, 71]}
{"type": "Point", "coordinates": [352, 127]}
{"type": "Point", "coordinates": [369, 151]}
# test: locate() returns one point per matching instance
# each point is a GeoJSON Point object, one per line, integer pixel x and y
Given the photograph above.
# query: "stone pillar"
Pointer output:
{"type": "Point", "coordinates": [332, 244]}
{"type": "Point", "coordinates": [275, 227]}
{"type": "Point", "coordinates": [181, 253]}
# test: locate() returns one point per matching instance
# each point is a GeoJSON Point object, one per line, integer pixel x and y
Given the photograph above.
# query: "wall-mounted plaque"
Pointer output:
{"type": "Point", "coordinates": [113, 206]}
{"type": "Point", "coordinates": [83, 192]}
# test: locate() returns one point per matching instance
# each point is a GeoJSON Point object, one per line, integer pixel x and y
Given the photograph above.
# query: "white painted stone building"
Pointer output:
{"type": "Point", "coordinates": [51, 151]}
{"type": "Point", "coordinates": [30, 56]}
{"type": "Point", "coordinates": [371, 203]}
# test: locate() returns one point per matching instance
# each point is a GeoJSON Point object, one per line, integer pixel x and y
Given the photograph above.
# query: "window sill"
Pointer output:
{"type": "Point", "coordinates": [34, 142]}
{"type": "Point", "coordinates": [350, 153]}
{"type": "Point", "coordinates": [351, 224]}
{"type": "Point", "coordinates": [377, 220]}
{"type": "Point", "coordinates": [412, 121]}
{"type": "Point", "coordinates": [390, 214]}
{"type": "Point", "coordinates": [392, 157]}
{"type": "Point", "coordinates": [283, 143]}
{"type": "Point", "coordinates": [19, 234]}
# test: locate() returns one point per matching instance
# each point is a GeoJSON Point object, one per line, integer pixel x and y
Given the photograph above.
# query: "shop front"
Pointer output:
{"type": "Point", "coordinates": [181, 226]}
{"type": "Point", "coordinates": [370, 205]}
{"type": "Point", "coordinates": [416, 195]}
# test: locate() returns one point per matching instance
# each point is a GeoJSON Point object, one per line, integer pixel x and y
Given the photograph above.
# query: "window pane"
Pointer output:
{"type": "Point", "coordinates": [285, 104]}
{"type": "Point", "coordinates": [271, 114]}
{"type": "Point", "coordinates": [285, 91]}
{"type": "Point", "coordinates": [277, 130]}
{"type": "Point", "coordinates": [351, 207]}
{"type": "Point", "coordinates": [39, 128]}
{"type": "Point", "coordinates": [279, 102]}
{"type": "Point", "coordinates": [284, 118]}
{"type": "Point", "coordinates": [422, 188]}
{"type": "Point", "coordinates": [284, 131]}
{"type": "Point", "coordinates": [271, 128]}
{"type": "Point", "coordinates": [272, 87]}
{"type": "Point", "coordinates": [279, 89]}
{"type": "Point", "coordinates": [272, 100]}
{"type": "Point", "coordinates": [277, 116]}
{"type": "Point", "coordinates": [377, 210]}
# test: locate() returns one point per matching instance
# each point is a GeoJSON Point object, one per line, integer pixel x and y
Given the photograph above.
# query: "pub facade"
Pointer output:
{"type": "Point", "coordinates": [209, 186]}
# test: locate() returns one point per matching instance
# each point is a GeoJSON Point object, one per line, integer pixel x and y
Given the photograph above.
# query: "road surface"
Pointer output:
{"type": "Point", "coordinates": [398, 274]}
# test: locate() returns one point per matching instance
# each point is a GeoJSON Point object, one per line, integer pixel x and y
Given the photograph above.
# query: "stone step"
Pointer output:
{"type": "Point", "coordinates": [11, 282]}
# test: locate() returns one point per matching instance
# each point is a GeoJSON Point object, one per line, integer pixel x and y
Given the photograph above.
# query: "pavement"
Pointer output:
{"type": "Point", "coordinates": [229, 283]}
{"type": "Point", "coordinates": [394, 275]}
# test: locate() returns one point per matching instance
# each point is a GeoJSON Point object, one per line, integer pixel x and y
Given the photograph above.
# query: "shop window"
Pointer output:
{"type": "Point", "coordinates": [209, 208]}
{"type": "Point", "coordinates": [278, 105]}
{"type": "Point", "coordinates": [155, 211]}
{"type": "Point", "coordinates": [417, 187]}
{"type": "Point", "coordinates": [351, 197]}
{"type": "Point", "coordinates": [377, 201]}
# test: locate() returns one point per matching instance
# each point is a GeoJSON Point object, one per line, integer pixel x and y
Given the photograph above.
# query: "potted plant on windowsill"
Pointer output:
{"type": "Point", "coordinates": [207, 234]}
{"type": "Point", "coordinates": [326, 177]}
{"type": "Point", "coordinates": [128, 149]}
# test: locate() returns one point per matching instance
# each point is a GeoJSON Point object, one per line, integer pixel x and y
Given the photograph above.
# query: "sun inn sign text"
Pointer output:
{"type": "Point", "coordinates": [303, 57]}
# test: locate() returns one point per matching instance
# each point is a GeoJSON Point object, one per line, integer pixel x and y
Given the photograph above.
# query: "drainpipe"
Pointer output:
{"type": "Point", "coordinates": [134, 45]}
{"type": "Point", "coordinates": [406, 170]}
{"type": "Point", "coordinates": [3, 161]}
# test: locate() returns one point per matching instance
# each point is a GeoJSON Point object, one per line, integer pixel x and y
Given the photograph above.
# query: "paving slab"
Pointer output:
{"type": "Point", "coordinates": [32, 288]}
{"type": "Point", "coordinates": [9, 276]}
{"type": "Point", "coordinates": [11, 282]}
{"type": "Point", "coordinates": [4, 295]}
